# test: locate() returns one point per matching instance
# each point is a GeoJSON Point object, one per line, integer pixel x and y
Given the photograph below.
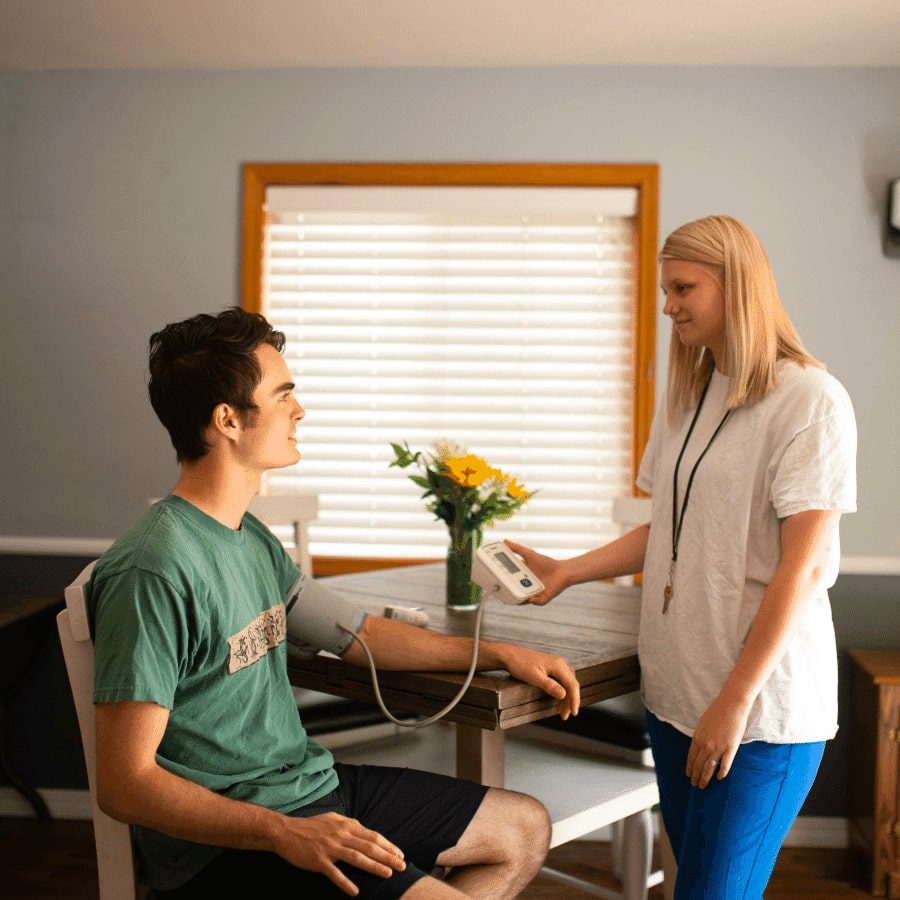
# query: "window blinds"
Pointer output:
{"type": "Point", "coordinates": [498, 318]}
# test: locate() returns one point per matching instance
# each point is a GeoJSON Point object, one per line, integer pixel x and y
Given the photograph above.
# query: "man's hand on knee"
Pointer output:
{"type": "Point", "coordinates": [320, 842]}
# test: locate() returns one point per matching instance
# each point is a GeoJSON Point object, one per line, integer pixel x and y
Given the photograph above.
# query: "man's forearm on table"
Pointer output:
{"type": "Point", "coordinates": [399, 646]}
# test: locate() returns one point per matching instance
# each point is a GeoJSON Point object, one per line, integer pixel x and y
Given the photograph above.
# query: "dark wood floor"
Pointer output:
{"type": "Point", "coordinates": [45, 860]}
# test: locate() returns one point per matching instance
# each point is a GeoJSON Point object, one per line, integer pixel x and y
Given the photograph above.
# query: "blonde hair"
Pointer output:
{"type": "Point", "coordinates": [758, 330]}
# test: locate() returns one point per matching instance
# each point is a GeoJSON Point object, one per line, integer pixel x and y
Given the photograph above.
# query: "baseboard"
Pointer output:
{"type": "Point", "coordinates": [818, 831]}
{"type": "Point", "coordinates": [63, 804]}
{"type": "Point", "coordinates": [808, 831]}
{"type": "Point", "coordinates": [828, 832]}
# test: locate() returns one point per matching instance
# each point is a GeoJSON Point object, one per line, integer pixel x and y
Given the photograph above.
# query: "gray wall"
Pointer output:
{"type": "Point", "coordinates": [119, 212]}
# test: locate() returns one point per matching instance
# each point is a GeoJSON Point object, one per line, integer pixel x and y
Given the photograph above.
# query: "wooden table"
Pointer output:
{"type": "Point", "coordinates": [593, 626]}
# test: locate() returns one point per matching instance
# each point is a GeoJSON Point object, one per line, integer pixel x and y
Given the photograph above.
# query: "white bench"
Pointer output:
{"type": "Point", "coordinates": [582, 793]}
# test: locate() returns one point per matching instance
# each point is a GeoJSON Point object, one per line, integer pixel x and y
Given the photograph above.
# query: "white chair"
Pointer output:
{"type": "Point", "coordinates": [116, 864]}
{"type": "Point", "coordinates": [629, 513]}
{"type": "Point", "coordinates": [115, 857]}
{"type": "Point", "coordinates": [294, 510]}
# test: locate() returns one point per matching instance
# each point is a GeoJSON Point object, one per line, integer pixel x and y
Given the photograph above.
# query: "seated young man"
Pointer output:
{"type": "Point", "coordinates": [199, 742]}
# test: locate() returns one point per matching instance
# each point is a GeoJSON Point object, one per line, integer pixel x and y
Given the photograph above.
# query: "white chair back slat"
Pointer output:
{"type": "Point", "coordinates": [297, 510]}
{"type": "Point", "coordinates": [630, 512]}
{"type": "Point", "coordinates": [285, 507]}
{"type": "Point", "coordinates": [115, 856]}
{"type": "Point", "coordinates": [77, 606]}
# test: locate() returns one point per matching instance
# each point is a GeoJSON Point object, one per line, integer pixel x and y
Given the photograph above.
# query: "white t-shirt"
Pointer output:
{"type": "Point", "coordinates": [794, 450]}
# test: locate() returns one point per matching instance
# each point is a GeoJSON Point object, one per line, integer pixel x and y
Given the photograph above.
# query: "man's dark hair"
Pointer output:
{"type": "Point", "coordinates": [197, 364]}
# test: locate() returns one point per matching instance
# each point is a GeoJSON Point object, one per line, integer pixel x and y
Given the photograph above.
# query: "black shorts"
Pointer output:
{"type": "Point", "coordinates": [422, 813]}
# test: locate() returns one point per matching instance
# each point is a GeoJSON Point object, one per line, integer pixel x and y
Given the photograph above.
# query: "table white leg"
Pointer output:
{"type": "Point", "coordinates": [479, 755]}
{"type": "Point", "coordinates": [637, 845]}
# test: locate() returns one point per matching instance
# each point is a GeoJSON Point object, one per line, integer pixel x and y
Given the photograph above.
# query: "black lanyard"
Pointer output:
{"type": "Point", "coordinates": [678, 520]}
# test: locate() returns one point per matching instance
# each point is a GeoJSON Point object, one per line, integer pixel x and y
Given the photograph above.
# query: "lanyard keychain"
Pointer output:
{"type": "Point", "coordinates": [678, 521]}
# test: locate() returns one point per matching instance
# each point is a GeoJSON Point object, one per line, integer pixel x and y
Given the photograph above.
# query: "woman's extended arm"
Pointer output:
{"type": "Point", "coordinates": [805, 541]}
{"type": "Point", "coordinates": [623, 556]}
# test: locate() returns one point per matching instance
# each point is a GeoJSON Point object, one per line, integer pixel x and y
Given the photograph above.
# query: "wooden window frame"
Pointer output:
{"type": "Point", "coordinates": [644, 177]}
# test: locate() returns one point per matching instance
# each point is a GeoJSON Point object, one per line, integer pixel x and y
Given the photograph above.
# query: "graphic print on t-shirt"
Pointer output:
{"type": "Point", "coordinates": [263, 634]}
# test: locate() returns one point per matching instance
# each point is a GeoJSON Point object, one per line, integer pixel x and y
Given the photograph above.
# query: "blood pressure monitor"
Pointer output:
{"type": "Point", "coordinates": [498, 571]}
{"type": "Point", "coordinates": [319, 618]}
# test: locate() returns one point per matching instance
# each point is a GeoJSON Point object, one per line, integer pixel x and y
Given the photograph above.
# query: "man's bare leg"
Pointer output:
{"type": "Point", "coordinates": [498, 854]}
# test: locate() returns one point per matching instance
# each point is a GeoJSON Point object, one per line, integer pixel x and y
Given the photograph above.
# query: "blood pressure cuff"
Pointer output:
{"type": "Point", "coordinates": [313, 615]}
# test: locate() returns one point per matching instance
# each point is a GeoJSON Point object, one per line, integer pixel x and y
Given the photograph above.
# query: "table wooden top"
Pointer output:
{"type": "Point", "coordinates": [594, 626]}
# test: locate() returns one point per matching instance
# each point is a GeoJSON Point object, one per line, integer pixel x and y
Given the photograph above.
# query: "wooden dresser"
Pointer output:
{"type": "Point", "coordinates": [875, 767]}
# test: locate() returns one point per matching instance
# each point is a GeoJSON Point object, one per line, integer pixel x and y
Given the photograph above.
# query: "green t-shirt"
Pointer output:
{"type": "Point", "coordinates": [189, 614]}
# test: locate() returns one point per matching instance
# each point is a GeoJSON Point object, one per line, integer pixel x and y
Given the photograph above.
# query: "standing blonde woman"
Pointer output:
{"type": "Point", "coordinates": [749, 465]}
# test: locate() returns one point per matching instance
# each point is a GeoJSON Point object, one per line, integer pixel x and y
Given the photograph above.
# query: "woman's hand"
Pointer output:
{"type": "Point", "coordinates": [550, 571]}
{"type": "Point", "coordinates": [716, 740]}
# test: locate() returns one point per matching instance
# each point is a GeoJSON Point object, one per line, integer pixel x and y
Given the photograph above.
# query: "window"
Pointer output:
{"type": "Point", "coordinates": [508, 308]}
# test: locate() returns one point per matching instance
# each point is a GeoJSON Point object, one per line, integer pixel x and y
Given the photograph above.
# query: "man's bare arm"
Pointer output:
{"type": "Point", "coordinates": [133, 788]}
{"type": "Point", "coordinates": [398, 646]}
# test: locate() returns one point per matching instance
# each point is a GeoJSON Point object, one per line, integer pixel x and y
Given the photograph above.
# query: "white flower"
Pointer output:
{"type": "Point", "coordinates": [445, 448]}
{"type": "Point", "coordinates": [486, 488]}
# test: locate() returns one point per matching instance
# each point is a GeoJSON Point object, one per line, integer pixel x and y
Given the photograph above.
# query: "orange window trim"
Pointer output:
{"type": "Point", "coordinates": [642, 176]}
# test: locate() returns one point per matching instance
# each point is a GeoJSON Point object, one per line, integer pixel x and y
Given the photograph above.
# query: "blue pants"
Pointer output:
{"type": "Point", "coordinates": [725, 837]}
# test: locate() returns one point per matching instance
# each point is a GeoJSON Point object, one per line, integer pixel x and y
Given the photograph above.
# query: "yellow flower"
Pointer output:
{"type": "Point", "coordinates": [469, 470]}
{"type": "Point", "coordinates": [516, 491]}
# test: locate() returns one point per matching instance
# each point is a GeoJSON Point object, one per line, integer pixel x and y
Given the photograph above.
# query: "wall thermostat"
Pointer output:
{"type": "Point", "coordinates": [499, 571]}
{"type": "Point", "coordinates": [892, 220]}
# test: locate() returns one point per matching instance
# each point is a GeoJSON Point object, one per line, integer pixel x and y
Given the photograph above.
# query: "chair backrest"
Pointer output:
{"type": "Point", "coordinates": [297, 510]}
{"type": "Point", "coordinates": [115, 856]}
{"type": "Point", "coordinates": [630, 512]}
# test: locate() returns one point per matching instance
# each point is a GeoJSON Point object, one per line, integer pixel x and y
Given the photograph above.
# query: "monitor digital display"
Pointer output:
{"type": "Point", "coordinates": [508, 564]}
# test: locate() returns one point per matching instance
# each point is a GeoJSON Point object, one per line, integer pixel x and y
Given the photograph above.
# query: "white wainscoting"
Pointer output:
{"type": "Point", "coordinates": [68, 546]}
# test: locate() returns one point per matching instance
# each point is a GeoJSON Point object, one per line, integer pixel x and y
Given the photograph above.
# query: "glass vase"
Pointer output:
{"type": "Point", "coordinates": [462, 593]}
